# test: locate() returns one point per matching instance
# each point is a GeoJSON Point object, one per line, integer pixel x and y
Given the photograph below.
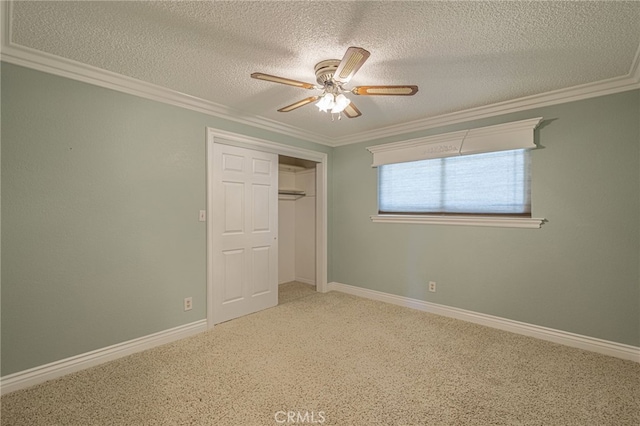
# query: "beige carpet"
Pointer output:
{"type": "Point", "coordinates": [336, 359]}
{"type": "Point", "coordinates": [294, 290]}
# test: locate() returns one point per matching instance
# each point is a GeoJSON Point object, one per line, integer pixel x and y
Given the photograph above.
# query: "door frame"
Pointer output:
{"type": "Point", "coordinates": [235, 139]}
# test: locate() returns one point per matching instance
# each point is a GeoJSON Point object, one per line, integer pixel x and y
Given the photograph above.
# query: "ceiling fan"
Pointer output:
{"type": "Point", "coordinates": [332, 75]}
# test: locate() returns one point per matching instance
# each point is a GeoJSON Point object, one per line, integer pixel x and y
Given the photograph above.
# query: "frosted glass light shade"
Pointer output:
{"type": "Point", "coordinates": [341, 103]}
{"type": "Point", "coordinates": [326, 103]}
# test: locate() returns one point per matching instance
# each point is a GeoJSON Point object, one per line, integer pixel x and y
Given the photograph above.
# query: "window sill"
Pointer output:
{"type": "Point", "coordinates": [499, 222]}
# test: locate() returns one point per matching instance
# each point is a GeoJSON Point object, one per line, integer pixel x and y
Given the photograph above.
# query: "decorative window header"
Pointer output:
{"type": "Point", "coordinates": [502, 137]}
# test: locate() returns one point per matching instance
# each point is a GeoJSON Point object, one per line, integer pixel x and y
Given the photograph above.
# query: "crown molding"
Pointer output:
{"type": "Point", "coordinates": [570, 94]}
{"type": "Point", "coordinates": [631, 81]}
{"type": "Point", "coordinates": [45, 62]}
{"type": "Point", "coordinates": [41, 61]}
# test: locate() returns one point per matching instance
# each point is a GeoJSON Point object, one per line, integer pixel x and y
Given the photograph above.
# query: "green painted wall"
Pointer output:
{"type": "Point", "coordinates": [578, 273]}
{"type": "Point", "coordinates": [100, 198]}
{"type": "Point", "coordinates": [100, 239]}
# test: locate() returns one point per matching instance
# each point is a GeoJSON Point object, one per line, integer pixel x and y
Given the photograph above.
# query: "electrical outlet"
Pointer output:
{"type": "Point", "coordinates": [432, 286]}
{"type": "Point", "coordinates": [188, 303]}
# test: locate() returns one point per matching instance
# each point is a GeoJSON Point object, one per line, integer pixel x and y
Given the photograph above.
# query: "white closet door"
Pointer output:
{"type": "Point", "coordinates": [245, 231]}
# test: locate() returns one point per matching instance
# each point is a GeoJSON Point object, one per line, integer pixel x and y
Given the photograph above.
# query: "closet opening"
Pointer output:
{"type": "Point", "coordinates": [300, 157]}
{"type": "Point", "coordinates": [297, 211]}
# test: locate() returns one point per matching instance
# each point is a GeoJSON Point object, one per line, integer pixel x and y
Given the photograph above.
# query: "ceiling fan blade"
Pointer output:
{"type": "Point", "coordinates": [351, 111]}
{"type": "Point", "coordinates": [299, 104]}
{"type": "Point", "coordinates": [350, 64]}
{"type": "Point", "coordinates": [282, 80]}
{"type": "Point", "coordinates": [385, 90]}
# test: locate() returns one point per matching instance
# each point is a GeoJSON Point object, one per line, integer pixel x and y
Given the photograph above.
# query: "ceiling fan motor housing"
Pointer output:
{"type": "Point", "coordinates": [325, 70]}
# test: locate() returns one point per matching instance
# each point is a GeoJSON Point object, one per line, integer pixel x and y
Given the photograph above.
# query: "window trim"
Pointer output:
{"type": "Point", "coordinates": [501, 137]}
{"type": "Point", "coordinates": [469, 220]}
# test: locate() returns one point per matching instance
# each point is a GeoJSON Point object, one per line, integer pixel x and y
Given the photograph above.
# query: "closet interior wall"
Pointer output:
{"type": "Point", "coordinates": [297, 226]}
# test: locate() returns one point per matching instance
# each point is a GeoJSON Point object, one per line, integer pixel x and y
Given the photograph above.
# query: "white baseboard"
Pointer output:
{"type": "Point", "coordinates": [33, 376]}
{"type": "Point", "coordinates": [592, 344]}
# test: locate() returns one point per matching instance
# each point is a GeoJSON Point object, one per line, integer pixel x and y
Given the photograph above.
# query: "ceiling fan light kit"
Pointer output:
{"type": "Point", "coordinates": [331, 75]}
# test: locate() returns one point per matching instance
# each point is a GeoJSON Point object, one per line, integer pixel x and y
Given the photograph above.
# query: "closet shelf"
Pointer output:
{"type": "Point", "coordinates": [290, 194]}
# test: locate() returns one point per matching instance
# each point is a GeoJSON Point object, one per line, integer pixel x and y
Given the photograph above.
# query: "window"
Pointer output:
{"type": "Point", "coordinates": [495, 183]}
{"type": "Point", "coordinates": [476, 177]}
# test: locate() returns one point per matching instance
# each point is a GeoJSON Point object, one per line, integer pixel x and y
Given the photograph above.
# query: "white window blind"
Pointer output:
{"type": "Point", "coordinates": [494, 183]}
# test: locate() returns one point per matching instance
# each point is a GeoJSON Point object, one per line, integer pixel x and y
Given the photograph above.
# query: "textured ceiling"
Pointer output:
{"type": "Point", "coordinates": [461, 54]}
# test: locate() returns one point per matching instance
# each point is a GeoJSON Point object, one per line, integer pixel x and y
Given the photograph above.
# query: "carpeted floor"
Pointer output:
{"type": "Point", "coordinates": [293, 290]}
{"type": "Point", "coordinates": [337, 359]}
